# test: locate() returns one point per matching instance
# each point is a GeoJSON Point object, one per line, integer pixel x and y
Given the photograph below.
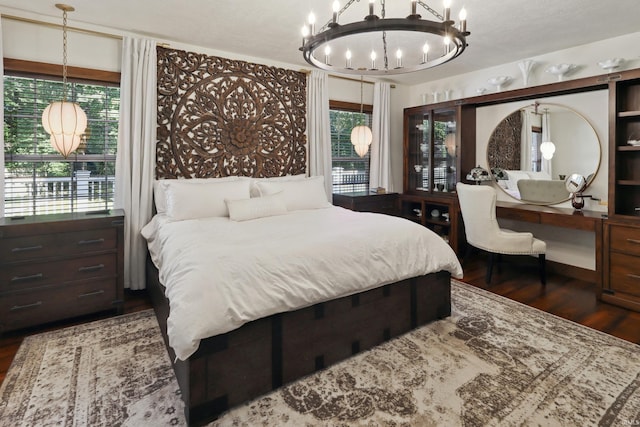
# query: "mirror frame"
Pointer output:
{"type": "Point", "coordinates": [539, 104]}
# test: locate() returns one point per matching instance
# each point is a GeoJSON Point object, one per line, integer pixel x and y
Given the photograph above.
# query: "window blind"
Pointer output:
{"type": "Point", "coordinates": [350, 172]}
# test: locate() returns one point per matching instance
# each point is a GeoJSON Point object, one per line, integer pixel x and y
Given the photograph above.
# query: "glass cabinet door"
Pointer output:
{"type": "Point", "coordinates": [419, 152]}
{"type": "Point", "coordinates": [445, 153]}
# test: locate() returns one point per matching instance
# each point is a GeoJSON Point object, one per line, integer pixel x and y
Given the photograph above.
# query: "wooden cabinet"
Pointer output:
{"type": "Point", "coordinates": [439, 151]}
{"type": "Point", "coordinates": [60, 266]}
{"type": "Point", "coordinates": [624, 154]}
{"type": "Point", "coordinates": [385, 203]}
{"type": "Point", "coordinates": [439, 147]}
{"type": "Point", "coordinates": [439, 214]}
{"type": "Point", "coordinates": [621, 278]}
{"type": "Point", "coordinates": [622, 264]}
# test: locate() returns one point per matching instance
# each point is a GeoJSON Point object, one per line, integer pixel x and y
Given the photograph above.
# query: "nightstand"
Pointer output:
{"type": "Point", "coordinates": [59, 266]}
{"type": "Point", "coordinates": [385, 203]}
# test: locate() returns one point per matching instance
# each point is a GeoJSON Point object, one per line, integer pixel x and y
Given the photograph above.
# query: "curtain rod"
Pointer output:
{"type": "Point", "coordinates": [69, 28]}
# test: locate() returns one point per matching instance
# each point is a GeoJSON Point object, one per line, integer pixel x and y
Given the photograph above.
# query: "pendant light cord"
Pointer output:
{"type": "Point", "coordinates": [64, 55]}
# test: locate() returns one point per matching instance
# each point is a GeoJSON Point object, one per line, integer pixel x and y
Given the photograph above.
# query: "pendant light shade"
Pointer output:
{"type": "Point", "coordinates": [361, 138]}
{"type": "Point", "coordinates": [66, 123]}
{"type": "Point", "coordinates": [64, 120]}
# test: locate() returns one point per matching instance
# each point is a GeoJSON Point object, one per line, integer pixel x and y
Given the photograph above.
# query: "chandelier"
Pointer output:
{"type": "Point", "coordinates": [64, 120]}
{"type": "Point", "coordinates": [416, 43]}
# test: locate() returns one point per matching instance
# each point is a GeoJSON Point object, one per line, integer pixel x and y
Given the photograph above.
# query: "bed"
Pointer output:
{"type": "Point", "coordinates": [223, 126]}
{"type": "Point", "coordinates": [281, 284]}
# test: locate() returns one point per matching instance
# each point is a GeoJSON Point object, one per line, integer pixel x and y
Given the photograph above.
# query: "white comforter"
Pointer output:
{"type": "Point", "coordinates": [220, 274]}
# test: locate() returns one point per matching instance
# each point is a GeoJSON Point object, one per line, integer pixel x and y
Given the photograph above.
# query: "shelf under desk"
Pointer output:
{"type": "Point", "coordinates": [560, 217]}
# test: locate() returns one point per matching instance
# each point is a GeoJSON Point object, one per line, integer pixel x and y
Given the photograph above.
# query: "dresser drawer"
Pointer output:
{"type": "Point", "coordinates": [22, 309]}
{"type": "Point", "coordinates": [624, 239]}
{"type": "Point", "coordinates": [57, 245]}
{"type": "Point", "coordinates": [625, 273]}
{"type": "Point", "coordinates": [38, 274]}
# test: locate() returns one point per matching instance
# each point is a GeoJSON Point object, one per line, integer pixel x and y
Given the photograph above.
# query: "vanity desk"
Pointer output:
{"type": "Point", "coordinates": [561, 217]}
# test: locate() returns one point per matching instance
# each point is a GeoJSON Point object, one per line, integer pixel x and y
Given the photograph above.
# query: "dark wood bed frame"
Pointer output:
{"type": "Point", "coordinates": [262, 355]}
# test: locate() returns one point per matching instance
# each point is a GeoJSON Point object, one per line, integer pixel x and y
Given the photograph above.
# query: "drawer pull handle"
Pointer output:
{"type": "Point", "coordinates": [636, 241]}
{"type": "Point", "coordinates": [90, 242]}
{"type": "Point", "coordinates": [633, 276]}
{"type": "Point", "coordinates": [27, 249]}
{"type": "Point", "coordinates": [91, 268]}
{"type": "Point", "coordinates": [20, 307]}
{"type": "Point", "coordinates": [90, 294]}
{"type": "Point", "coordinates": [31, 277]}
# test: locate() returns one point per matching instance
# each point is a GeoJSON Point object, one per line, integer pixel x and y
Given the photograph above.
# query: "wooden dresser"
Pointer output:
{"type": "Point", "coordinates": [60, 266]}
{"type": "Point", "coordinates": [385, 203]}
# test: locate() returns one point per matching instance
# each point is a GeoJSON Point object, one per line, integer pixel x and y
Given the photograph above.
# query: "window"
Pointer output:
{"type": "Point", "coordinates": [350, 172]}
{"type": "Point", "coordinates": [37, 179]}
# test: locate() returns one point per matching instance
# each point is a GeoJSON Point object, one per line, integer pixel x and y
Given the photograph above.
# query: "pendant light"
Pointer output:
{"type": "Point", "coordinates": [64, 120]}
{"type": "Point", "coordinates": [361, 136]}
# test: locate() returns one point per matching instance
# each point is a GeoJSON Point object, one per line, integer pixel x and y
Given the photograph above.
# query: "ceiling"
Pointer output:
{"type": "Point", "coordinates": [501, 31]}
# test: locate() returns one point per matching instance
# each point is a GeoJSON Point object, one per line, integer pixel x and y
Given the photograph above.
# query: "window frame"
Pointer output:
{"type": "Point", "coordinates": [355, 108]}
{"type": "Point", "coordinates": [47, 71]}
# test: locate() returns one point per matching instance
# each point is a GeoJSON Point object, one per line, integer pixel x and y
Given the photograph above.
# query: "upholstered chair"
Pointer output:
{"type": "Point", "coordinates": [478, 207]}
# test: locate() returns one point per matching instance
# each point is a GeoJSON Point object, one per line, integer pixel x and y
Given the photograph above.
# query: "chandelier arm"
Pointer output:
{"type": "Point", "coordinates": [330, 23]}
{"type": "Point", "coordinates": [430, 10]}
{"type": "Point", "coordinates": [384, 39]}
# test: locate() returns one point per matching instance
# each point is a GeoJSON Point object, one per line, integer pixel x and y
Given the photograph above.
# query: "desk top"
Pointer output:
{"type": "Point", "coordinates": [560, 217]}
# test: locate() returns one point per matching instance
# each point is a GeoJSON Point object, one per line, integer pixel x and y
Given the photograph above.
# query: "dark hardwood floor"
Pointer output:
{"type": "Point", "coordinates": [563, 296]}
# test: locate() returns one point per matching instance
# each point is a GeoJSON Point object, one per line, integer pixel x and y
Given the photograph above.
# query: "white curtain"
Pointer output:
{"type": "Point", "coordinates": [319, 128]}
{"type": "Point", "coordinates": [135, 159]}
{"type": "Point", "coordinates": [546, 136]}
{"type": "Point", "coordinates": [525, 141]}
{"type": "Point", "coordinates": [2, 118]}
{"type": "Point", "coordinates": [380, 166]}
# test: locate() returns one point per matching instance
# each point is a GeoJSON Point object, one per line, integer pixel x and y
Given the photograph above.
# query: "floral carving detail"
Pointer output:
{"type": "Point", "coordinates": [218, 117]}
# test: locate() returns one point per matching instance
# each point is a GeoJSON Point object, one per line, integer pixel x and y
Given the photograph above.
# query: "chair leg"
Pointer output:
{"type": "Point", "coordinates": [467, 254]}
{"type": "Point", "coordinates": [489, 268]}
{"type": "Point", "coordinates": [542, 268]}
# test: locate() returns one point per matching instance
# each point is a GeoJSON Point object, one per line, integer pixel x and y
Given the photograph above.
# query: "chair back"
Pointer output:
{"type": "Point", "coordinates": [478, 208]}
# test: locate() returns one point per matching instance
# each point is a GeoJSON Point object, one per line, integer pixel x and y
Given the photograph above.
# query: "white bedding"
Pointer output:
{"type": "Point", "coordinates": [220, 274]}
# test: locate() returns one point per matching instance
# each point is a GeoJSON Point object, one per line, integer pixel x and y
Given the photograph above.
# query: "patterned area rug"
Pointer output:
{"type": "Point", "coordinates": [493, 362]}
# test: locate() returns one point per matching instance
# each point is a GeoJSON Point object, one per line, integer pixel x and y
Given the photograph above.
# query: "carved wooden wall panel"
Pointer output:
{"type": "Point", "coordinates": [503, 149]}
{"type": "Point", "coordinates": [220, 117]}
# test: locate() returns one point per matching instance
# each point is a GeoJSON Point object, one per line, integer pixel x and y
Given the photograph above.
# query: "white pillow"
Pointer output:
{"type": "Point", "coordinates": [308, 193]}
{"type": "Point", "coordinates": [189, 201]}
{"type": "Point", "coordinates": [256, 207]}
{"type": "Point", "coordinates": [514, 177]}
{"type": "Point", "coordinates": [160, 188]}
{"type": "Point", "coordinates": [255, 192]}
{"type": "Point", "coordinates": [538, 175]}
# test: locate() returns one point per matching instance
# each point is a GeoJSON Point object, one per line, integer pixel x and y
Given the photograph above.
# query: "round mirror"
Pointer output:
{"type": "Point", "coordinates": [533, 150]}
{"type": "Point", "coordinates": [576, 183]}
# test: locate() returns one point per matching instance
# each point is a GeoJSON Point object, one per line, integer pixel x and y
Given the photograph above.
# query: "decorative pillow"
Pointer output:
{"type": "Point", "coordinates": [160, 188]}
{"type": "Point", "coordinates": [255, 192]}
{"type": "Point", "coordinates": [308, 193]}
{"type": "Point", "coordinates": [256, 207]}
{"type": "Point", "coordinates": [188, 201]}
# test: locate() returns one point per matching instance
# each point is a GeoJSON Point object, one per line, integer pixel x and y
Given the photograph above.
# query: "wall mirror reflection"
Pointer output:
{"type": "Point", "coordinates": [533, 150]}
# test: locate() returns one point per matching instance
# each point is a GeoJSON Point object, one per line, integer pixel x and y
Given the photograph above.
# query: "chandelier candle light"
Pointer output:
{"type": "Point", "coordinates": [411, 38]}
{"type": "Point", "coordinates": [64, 120]}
